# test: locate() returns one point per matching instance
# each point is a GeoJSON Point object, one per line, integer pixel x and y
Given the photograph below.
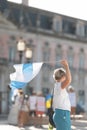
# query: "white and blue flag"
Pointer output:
{"type": "Point", "coordinates": [24, 74]}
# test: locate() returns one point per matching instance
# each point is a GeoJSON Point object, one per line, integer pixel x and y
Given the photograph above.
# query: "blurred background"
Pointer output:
{"type": "Point", "coordinates": [29, 34]}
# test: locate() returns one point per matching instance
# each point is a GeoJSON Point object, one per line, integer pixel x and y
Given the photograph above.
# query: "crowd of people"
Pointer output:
{"type": "Point", "coordinates": [24, 106]}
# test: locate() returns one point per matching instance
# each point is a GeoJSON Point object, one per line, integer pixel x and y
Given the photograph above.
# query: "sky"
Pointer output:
{"type": "Point", "coordinates": [72, 8]}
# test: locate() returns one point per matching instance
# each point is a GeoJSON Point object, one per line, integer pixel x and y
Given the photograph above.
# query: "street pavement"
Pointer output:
{"type": "Point", "coordinates": [77, 124]}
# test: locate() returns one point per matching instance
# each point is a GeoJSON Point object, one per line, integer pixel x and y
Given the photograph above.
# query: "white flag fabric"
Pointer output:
{"type": "Point", "coordinates": [24, 74]}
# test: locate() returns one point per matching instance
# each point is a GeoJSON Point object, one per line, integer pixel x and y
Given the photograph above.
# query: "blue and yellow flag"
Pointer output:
{"type": "Point", "coordinates": [48, 101]}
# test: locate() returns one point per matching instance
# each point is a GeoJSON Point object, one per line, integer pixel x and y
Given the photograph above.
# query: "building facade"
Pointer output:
{"type": "Point", "coordinates": [52, 37]}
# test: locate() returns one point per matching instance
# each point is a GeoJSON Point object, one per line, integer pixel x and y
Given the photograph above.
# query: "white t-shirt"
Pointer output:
{"type": "Point", "coordinates": [61, 98]}
{"type": "Point", "coordinates": [41, 104]}
{"type": "Point", "coordinates": [32, 102]}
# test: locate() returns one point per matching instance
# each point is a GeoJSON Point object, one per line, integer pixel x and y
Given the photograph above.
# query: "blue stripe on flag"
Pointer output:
{"type": "Point", "coordinates": [27, 70]}
{"type": "Point", "coordinates": [16, 84]}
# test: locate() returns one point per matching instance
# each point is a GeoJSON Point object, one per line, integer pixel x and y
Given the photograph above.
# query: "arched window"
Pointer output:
{"type": "Point", "coordinates": [70, 55]}
{"type": "Point", "coordinates": [12, 51]}
{"type": "Point", "coordinates": [58, 52]}
{"type": "Point", "coordinates": [46, 52]}
{"type": "Point", "coordinates": [45, 73]}
{"type": "Point", "coordinates": [81, 58]}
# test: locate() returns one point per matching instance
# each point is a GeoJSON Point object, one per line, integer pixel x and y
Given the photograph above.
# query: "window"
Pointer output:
{"type": "Point", "coordinates": [14, 15]}
{"type": "Point", "coordinates": [46, 52]}
{"type": "Point", "coordinates": [85, 30]}
{"type": "Point", "coordinates": [32, 18]}
{"type": "Point", "coordinates": [11, 53]}
{"type": "Point", "coordinates": [81, 58]}
{"type": "Point", "coordinates": [58, 53]}
{"type": "Point", "coordinates": [45, 22]}
{"type": "Point", "coordinates": [70, 55]}
{"type": "Point", "coordinates": [69, 26]}
{"type": "Point", "coordinates": [3, 5]}
{"type": "Point", "coordinates": [45, 73]}
{"type": "Point", "coordinates": [85, 80]}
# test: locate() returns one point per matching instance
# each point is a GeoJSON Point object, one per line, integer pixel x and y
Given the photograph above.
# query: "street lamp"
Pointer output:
{"type": "Point", "coordinates": [24, 49]}
{"type": "Point", "coordinates": [21, 48]}
{"type": "Point", "coordinates": [28, 54]}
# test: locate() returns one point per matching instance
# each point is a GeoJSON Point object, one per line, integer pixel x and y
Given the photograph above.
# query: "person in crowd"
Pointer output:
{"type": "Point", "coordinates": [23, 117]}
{"type": "Point", "coordinates": [32, 104]}
{"type": "Point", "coordinates": [61, 101]}
{"type": "Point", "coordinates": [40, 105]}
{"type": "Point", "coordinates": [40, 108]}
{"type": "Point", "coordinates": [72, 96]}
{"type": "Point", "coordinates": [15, 107]}
{"type": "Point", "coordinates": [49, 112]}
